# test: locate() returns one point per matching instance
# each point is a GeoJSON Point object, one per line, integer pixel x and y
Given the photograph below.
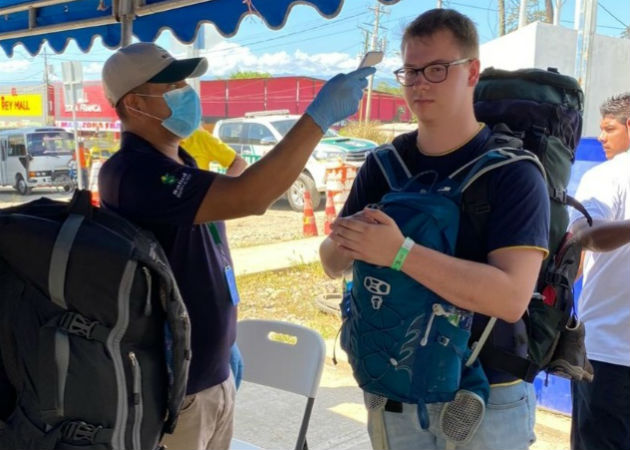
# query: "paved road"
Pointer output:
{"type": "Point", "coordinates": [10, 197]}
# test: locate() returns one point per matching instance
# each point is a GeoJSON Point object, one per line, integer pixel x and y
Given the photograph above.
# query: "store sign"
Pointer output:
{"type": "Point", "coordinates": [85, 107]}
{"type": "Point", "coordinates": [91, 125]}
{"type": "Point", "coordinates": [21, 105]}
{"type": "Point", "coordinates": [19, 123]}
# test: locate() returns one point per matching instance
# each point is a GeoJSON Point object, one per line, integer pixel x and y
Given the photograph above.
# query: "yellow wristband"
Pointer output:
{"type": "Point", "coordinates": [403, 251]}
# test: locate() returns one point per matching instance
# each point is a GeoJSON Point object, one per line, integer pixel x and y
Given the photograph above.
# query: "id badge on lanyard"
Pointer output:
{"type": "Point", "coordinates": [227, 268]}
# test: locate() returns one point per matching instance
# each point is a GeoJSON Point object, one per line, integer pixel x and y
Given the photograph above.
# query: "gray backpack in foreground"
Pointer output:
{"type": "Point", "coordinates": [94, 336]}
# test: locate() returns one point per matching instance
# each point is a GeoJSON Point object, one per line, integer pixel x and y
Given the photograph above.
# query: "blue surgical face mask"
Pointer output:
{"type": "Point", "coordinates": [185, 109]}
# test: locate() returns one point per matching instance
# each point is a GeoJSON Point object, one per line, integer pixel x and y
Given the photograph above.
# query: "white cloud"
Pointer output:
{"type": "Point", "coordinates": [226, 58]}
{"type": "Point", "coordinates": [14, 65]}
{"type": "Point", "coordinates": [93, 68]}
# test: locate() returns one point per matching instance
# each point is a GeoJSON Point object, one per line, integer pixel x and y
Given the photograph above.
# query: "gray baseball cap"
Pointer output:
{"type": "Point", "coordinates": [145, 62]}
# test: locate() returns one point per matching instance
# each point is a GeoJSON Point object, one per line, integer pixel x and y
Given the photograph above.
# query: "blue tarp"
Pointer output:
{"type": "Point", "coordinates": [32, 22]}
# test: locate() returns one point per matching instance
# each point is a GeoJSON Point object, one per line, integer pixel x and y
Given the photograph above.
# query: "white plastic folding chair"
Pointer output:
{"type": "Point", "coordinates": [284, 356]}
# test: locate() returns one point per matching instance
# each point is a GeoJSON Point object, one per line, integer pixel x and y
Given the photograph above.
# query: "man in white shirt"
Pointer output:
{"type": "Point", "coordinates": [601, 409]}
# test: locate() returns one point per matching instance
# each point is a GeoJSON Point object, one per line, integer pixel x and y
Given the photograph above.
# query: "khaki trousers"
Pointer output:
{"type": "Point", "coordinates": [205, 420]}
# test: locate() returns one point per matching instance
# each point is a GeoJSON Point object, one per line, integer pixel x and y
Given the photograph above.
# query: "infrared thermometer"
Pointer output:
{"type": "Point", "coordinates": [370, 59]}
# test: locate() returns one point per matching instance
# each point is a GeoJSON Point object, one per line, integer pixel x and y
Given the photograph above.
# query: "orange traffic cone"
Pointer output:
{"type": "Point", "coordinates": [96, 198]}
{"type": "Point", "coordinates": [309, 226]}
{"type": "Point", "coordinates": [330, 212]}
{"type": "Point", "coordinates": [96, 167]}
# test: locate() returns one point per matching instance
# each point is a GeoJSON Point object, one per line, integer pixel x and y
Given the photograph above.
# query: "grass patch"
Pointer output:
{"type": "Point", "coordinates": [364, 130]}
{"type": "Point", "coordinates": [289, 295]}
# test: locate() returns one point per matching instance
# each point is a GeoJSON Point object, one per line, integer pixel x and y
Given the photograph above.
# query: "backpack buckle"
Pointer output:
{"type": "Point", "coordinates": [75, 323]}
{"type": "Point", "coordinates": [559, 195]}
{"type": "Point", "coordinates": [79, 431]}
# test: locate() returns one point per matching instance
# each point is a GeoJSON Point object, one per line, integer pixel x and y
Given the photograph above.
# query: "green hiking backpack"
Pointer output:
{"type": "Point", "coordinates": [543, 109]}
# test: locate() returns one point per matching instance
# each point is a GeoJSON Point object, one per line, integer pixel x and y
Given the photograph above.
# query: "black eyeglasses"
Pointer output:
{"type": "Point", "coordinates": [433, 73]}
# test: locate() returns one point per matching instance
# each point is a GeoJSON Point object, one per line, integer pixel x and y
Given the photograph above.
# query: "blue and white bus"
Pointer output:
{"type": "Point", "coordinates": [36, 157]}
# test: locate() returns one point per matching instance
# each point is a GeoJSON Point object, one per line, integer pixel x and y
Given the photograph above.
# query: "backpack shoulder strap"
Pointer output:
{"type": "Point", "coordinates": [393, 167]}
{"type": "Point", "coordinates": [491, 160]}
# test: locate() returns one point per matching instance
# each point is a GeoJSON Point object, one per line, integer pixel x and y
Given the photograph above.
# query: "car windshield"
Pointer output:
{"type": "Point", "coordinates": [283, 126]}
{"type": "Point", "coordinates": [50, 143]}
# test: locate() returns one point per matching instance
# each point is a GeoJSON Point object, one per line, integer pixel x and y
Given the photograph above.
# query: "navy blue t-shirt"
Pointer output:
{"type": "Point", "coordinates": [163, 196]}
{"type": "Point", "coordinates": [519, 210]}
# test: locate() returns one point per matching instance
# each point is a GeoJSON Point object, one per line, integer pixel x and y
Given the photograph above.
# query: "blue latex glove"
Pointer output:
{"type": "Point", "coordinates": [236, 363]}
{"type": "Point", "coordinates": [339, 97]}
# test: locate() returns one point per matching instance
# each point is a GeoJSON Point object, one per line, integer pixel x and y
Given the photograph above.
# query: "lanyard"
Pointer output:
{"type": "Point", "coordinates": [227, 269]}
{"type": "Point", "coordinates": [216, 237]}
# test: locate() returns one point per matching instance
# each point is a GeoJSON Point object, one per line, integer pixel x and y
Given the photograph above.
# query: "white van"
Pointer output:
{"type": "Point", "coordinates": [36, 157]}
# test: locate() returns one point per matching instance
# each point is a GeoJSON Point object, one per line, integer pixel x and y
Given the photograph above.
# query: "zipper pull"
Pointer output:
{"type": "Point", "coordinates": [135, 369]}
{"type": "Point", "coordinates": [438, 310]}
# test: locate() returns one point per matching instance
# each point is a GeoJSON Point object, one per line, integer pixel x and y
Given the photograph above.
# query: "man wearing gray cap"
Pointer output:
{"type": "Point", "coordinates": [154, 183]}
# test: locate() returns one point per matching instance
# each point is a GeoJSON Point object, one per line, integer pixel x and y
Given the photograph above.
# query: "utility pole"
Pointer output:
{"type": "Point", "coordinates": [522, 14]}
{"type": "Point", "coordinates": [46, 100]}
{"type": "Point", "coordinates": [586, 34]}
{"type": "Point", "coordinates": [375, 46]}
{"type": "Point", "coordinates": [577, 14]}
{"type": "Point", "coordinates": [439, 3]}
{"type": "Point", "coordinates": [556, 12]}
{"type": "Point", "coordinates": [501, 8]}
{"type": "Point", "coordinates": [366, 41]}
{"type": "Point", "coordinates": [193, 52]}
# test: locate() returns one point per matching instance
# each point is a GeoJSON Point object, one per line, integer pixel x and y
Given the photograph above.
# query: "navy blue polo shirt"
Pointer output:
{"type": "Point", "coordinates": [161, 195]}
{"type": "Point", "coordinates": [519, 215]}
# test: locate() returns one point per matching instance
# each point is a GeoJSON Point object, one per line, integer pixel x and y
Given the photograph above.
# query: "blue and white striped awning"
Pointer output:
{"type": "Point", "coordinates": [30, 23]}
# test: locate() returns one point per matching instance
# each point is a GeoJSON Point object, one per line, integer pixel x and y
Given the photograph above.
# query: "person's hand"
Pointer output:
{"type": "Point", "coordinates": [236, 364]}
{"type": "Point", "coordinates": [369, 235]}
{"type": "Point", "coordinates": [339, 97]}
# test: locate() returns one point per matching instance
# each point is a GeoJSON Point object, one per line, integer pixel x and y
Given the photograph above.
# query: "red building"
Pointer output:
{"type": "Point", "coordinates": [227, 98]}
{"type": "Point", "coordinates": [94, 114]}
{"type": "Point", "coordinates": [233, 98]}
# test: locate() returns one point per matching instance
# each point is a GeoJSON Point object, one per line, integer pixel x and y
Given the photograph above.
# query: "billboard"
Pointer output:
{"type": "Point", "coordinates": [21, 105]}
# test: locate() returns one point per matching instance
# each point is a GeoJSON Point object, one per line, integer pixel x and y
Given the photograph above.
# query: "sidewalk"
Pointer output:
{"type": "Point", "coordinates": [275, 256]}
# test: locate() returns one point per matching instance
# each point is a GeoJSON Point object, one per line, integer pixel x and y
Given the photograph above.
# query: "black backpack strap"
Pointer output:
{"type": "Point", "coordinates": [500, 359]}
{"type": "Point", "coordinates": [572, 202]}
{"type": "Point", "coordinates": [59, 258]}
{"type": "Point", "coordinates": [503, 136]}
{"type": "Point", "coordinates": [475, 200]}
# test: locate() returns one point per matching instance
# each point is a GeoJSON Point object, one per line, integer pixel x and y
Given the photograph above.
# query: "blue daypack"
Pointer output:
{"type": "Point", "coordinates": [403, 341]}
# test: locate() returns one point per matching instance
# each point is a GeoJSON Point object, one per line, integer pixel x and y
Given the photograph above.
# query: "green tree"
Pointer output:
{"type": "Point", "coordinates": [246, 74]}
{"type": "Point", "coordinates": [535, 12]}
{"type": "Point", "coordinates": [384, 86]}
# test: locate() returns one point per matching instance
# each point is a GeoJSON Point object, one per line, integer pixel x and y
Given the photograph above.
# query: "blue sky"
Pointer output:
{"type": "Point", "coordinates": [308, 44]}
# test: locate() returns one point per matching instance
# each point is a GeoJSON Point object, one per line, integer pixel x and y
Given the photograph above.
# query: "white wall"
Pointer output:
{"type": "Point", "coordinates": [542, 45]}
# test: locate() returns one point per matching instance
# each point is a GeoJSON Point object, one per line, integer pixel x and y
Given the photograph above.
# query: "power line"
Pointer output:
{"type": "Point", "coordinates": [612, 15]}
{"type": "Point", "coordinates": [474, 7]}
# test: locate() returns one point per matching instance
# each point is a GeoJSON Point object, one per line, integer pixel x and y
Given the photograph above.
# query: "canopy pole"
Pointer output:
{"type": "Point", "coordinates": [126, 14]}
{"type": "Point", "coordinates": [126, 26]}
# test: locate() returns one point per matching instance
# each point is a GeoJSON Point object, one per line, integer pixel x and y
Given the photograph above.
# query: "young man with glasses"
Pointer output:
{"type": "Point", "coordinates": [495, 277]}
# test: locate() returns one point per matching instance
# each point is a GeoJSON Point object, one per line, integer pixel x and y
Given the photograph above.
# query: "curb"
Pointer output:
{"type": "Point", "coordinates": [281, 255]}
